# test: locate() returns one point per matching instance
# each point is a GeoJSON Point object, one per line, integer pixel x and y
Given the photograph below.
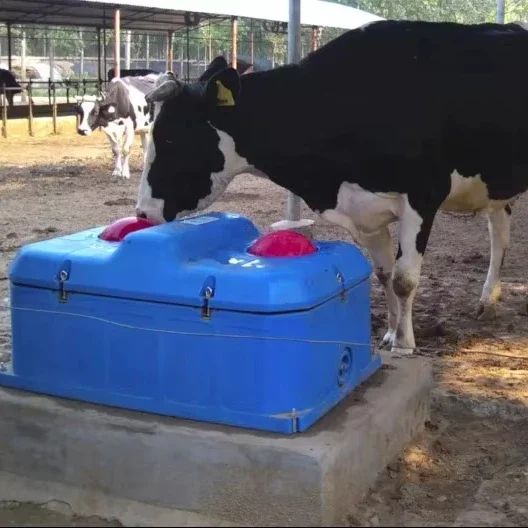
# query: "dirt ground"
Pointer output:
{"type": "Point", "coordinates": [55, 185]}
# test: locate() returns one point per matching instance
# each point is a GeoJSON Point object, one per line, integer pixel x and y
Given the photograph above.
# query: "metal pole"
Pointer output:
{"type": "Point", "coordinates": [500, 11]}
{"type": "Point", "coordinates": [147, 51]}
{"type": "Point", "coordinates": [54, 109]}
{"type": "Point", "coordinates": [82, 53]}
{"type": "Point", "coordinates": [9, 48]}
{"type": "Point", "coordinates": [181, 59]}
{"type": "Point", "coordinates": [234, 41]}
{"type": "Point", "coordinates": [170, 50]}
{"type": "Point", "coordinates": [210, 43]}
{"type": "Point", "coordinates": [128, 48]}
{"type": "Point", "coordinates": [293, 211]}
{"type": "Point", "coordinates": [99, 78]}
{"type": "Point", "coordinates": [117, 42]}
{"type": "Point", "coordinates": [105, 69]}
{"type": "Point", "coordinates": [188, 77]}
{"type": "Point", "coordinates": [23, 64]}
{"type": "Point", "coordinates": [52, 57]}
{"type": "Point", "coordinates": [30, 108]}
{"type": "Point", "coordinates": [4, 111]}
{"type": "Point", "coordinates": [315, 38]}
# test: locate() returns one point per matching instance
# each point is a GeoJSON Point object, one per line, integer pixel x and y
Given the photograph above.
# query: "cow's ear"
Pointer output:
{"type": "Point", "coordinates": [168, 89]}
{"type": "Point", "coordinates": [218, 64]}
{"type": "Point", "coordinates": [223, 88]}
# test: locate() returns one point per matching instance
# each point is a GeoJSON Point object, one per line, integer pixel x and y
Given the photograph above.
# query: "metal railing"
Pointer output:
{"type": "Point", "coordinates": [60, 97]}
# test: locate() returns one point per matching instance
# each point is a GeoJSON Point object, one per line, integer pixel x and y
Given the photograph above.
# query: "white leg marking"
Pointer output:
{"type": "Point", "coordinates": [379, 246]}
{"type": "Point", "coordinates": [127, 146]}
{"type": "Point", "coordinates": [405, 277]}
{"type": "Point", "coordinates": [144, 146]}
{"type": "Point", "coordinates": [117, 160]}
{"type": "Point", "coordinates": [336, 217]}
{"type": "Point", "coordinates": [116, 150]}
{"type": "Point", "coordinates": [499, 231]}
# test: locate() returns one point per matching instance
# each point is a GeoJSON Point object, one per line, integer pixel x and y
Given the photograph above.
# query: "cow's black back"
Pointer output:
{"type": "Point", "coordinates": [133, 72]}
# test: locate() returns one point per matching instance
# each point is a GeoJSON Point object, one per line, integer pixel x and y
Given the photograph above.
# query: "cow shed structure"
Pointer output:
{"type": "Point", "coordinates": [156, 16]}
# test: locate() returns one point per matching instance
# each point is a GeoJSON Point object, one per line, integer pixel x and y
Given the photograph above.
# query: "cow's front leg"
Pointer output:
{"type": "Point", "coordinates": [144, 146]}
{"type": "Point", "coordinates": [379, 246]}
{"type": "Point", "coordinates": [415, 228]}
{"type": "Point", "coordinates": [499, 232]}
{"type": "Point", "coordinates": [128, 140]}
{"type": "Point", "coordinates": [116, 150]}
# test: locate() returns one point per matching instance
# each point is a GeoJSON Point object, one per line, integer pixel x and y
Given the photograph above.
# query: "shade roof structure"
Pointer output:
{"type": "Point", "coordinates": [90, 13]}
{"type": "Point", "coordinates": [163, 15]}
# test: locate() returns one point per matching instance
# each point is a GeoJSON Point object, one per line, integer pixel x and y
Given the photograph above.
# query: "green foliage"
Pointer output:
{"type": "Point", "coordinates": [466, 11]}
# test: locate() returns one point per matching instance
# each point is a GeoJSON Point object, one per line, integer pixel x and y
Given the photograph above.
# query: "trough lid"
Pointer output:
{"type": "Point", "coordinates": [175, 262]}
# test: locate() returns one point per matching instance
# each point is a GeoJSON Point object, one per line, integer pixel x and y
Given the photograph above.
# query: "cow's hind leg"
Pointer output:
{"type": "Point", "coordinates": [499, 231]}
{"type": "Point", "coordinates": [379, 246]}
{"type": "Point", "coordinates": [415, 228]}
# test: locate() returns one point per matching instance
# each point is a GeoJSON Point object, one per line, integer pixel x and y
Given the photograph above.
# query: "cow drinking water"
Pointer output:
{"type": "Point", "coordinates": [121, 113]}
{"type": "Point", "coordinates": [393, 121]}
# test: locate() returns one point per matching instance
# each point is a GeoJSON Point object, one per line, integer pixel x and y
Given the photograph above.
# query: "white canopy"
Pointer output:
{"type": "Point", "coordinates": [162, 15]}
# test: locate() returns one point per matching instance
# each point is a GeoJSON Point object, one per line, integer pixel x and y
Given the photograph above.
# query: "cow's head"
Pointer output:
{"type": "Point", "coordinates": [100, 111]}
{"type": "Point", "coordinates": [191, 158]}
{"type": "Point", "coordinates": [88, 109]}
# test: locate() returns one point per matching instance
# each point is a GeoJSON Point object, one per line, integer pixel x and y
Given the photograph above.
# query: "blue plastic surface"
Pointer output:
{"type": "Point", "coordinates": [285, 341]}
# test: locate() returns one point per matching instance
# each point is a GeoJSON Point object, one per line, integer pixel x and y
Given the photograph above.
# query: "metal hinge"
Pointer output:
{"type": "Point", "coordinates": [63, 294]}
{"type": "Point", "coordinates": [207, 296]}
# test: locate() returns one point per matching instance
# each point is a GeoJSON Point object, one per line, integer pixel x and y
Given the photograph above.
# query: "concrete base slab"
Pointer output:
{"type": "Point", "coordinates": [210, 474]}
{"type": "Point", "coordinates": [72, 500]}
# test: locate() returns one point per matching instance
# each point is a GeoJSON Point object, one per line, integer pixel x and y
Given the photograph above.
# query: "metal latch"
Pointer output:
{"type": "Point", "coordinates": [341, 281]}
{"type": "Point", "coordinates": [295, 421]}
{"type": "Point", "coordinates": [63, 294]}
{"type": "Point", "coordinates": [207, 296]}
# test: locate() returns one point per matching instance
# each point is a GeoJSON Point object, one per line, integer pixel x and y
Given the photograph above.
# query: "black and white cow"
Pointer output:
{"type": "Point", "coordinates": [393, 121]}
{"type": "Point", "coordinates": [133, 72]}
{"type": "Point", "coordinates": [121, 113]}
{"type": "Point", "coordinates": [8, 80]}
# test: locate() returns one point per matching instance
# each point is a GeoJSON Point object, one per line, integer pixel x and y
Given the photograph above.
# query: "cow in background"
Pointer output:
{"type": "Point", "coordinates": [133, 72]}
{"type": "Point", "coordinates": [122, 112]}
{"type": "Point", "coordinates": [11, 84]}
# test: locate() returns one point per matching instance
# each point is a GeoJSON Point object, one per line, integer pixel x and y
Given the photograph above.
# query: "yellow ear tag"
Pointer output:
{"type": "Point", "coordinates": [224, 97]}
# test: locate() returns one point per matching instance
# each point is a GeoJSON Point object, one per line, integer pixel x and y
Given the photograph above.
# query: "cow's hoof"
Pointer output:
{"type": "Point", "coordinates": [485, 312]}
{"type": "Point", "coordinates": [117, 174]}
{"type": "Point", "coordinates": [402, 350]}
{"type": "Point", "coordinates": [388, 339]}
